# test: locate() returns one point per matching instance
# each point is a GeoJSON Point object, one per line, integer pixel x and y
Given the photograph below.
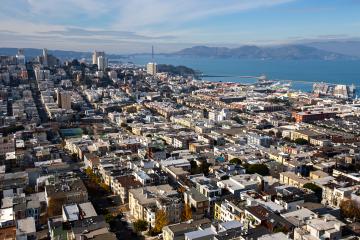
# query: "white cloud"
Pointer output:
{"type": "Point", "coordinates": [66, 8]}
{"type": "Point", "coordinates": [145, 13]}
{"type": "Point", "coordinates": [83, 23]}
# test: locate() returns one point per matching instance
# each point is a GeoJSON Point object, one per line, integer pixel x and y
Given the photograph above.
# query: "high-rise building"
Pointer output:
{"type": "Point", "coordinates": [96, 55]}
{"type": "Point", "coordinates": [64, 99]}
{"type": "Point", "coordinates": [45, 57]}
{"type": "Point", "coordinates": [20, 56]}
{"type": "Point", "coordinates": [94, 58]}
{"type": "Point", "coordinates": [41, 74]}
{"type": "Point", "coordinates": [102, 63]}
{"type": "Point", "coordinates": [151, 68]}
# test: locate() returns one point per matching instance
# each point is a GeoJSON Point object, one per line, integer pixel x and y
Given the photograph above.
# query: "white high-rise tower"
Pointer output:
{"type": "Point", "coordinates": [45, 57]}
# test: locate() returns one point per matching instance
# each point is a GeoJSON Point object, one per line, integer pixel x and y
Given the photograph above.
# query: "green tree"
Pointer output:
{"type": "Point", "coordinates": [261, 169]}
{"type": "Point", "coordinates": [29, 190]}
{"type": "Point", "coordinates": [193, 167]}
{"type": "Point", "coordinates": [301, 141]}
{"type": "Point", "coordinates": [315, 188]}
{"type": "Point", "coordinates": [238, 120]}
{"type": "Point", "coordinates": [280, 229]}
{"type": "Point", "coordinates": [204, 167]}
{"type": "Point", "coordinates": [236, 161]}
{"type": "Point", "coordinates": [109, 217]}
{"type": "Point", "coordinates": [140, 225]}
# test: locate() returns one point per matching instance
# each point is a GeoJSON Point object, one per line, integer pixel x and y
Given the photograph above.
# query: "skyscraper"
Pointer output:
{"type": "Point", "coordinates": [20, 57]}
{"type": "Point", "coordinates": [45, 57]}
{"type": "Point", "coordinates": [99, 58]}
{"type": "Point", "coordinates": [102, 63]}
{"type": "Point", "coordinates": [96, 55]}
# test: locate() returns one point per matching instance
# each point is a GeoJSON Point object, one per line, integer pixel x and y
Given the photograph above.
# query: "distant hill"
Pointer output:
{"type": "Point", "coordinates": [313, 50]}
{"type": "Point", "coordinates": [255, 52]}
{"type": "Point", "coordinates": [346, 47]}
{"type": "Point", "coordinates": [61, 54]}
{"type": "Point", "coordinates": [178, 70]}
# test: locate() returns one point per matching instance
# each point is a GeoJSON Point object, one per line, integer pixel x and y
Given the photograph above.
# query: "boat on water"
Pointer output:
{"type": "Point", "coordinates": [264, 81]}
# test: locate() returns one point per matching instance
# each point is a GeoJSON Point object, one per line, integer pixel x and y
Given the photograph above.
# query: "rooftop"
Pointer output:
{"type": "Point", "coordinates": [26, 226]}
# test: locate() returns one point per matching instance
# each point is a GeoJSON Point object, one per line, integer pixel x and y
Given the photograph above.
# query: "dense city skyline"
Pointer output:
{"type": "Point", "coordinates": [133, 26]}
{"type": "Point", "coordinates": [236, 120]}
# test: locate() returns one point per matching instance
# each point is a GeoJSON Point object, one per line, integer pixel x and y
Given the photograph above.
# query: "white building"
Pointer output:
{"type": "Point", "coordinates": [25, 229]}
{"type": "Point", "coordinates": [102, 63]}
{"type": "Point", "coordinates": [151, 68]}
{"type": "Point", "coordinates": [7, 217]}
{"type": "Point", "coordinates": [20, 57]}
{"type": "Point", "coordinates": [325, 227]}
{"type": "Point", "coordinates": [95, 56]}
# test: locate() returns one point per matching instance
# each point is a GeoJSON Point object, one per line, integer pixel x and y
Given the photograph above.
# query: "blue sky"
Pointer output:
{"type": "Point", "coordinates": [127, 26]}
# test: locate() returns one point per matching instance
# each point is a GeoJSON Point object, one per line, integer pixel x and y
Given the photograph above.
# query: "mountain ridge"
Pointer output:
{"type": "Point", "coordinates": [295, 52]}
{"type": "Point", "coordinates": [62, 54]}
{"type": "Point", "coordinates": [285, 52]}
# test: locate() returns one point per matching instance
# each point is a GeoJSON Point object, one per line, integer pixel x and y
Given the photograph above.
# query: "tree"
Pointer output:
{"type": "Point", "coordinates": [161, 220]}
{"type": "Point", "coordinates": [29, 190]}
{"type": "Point", "coordinates": [131, 109]}
{"type": "Point", "coordinates": [181, 189]}
{"type": "Point", "coordinates": [350, 209]}
{"type": "Point", "coordinates": [301, 141]}
{"type": "Point", "coordinates": [204, 167]}
{"type": "Point", "coordinates": [237, 119]}
{"type": "Point", "coordinates": [261, 169]}
{"type": "Point", "coordinates": [186, 213]}
{"type": "Point", "coordinates": [11, 129]}
{"type": "Point", "coordinates": [75, 62]}
{"type": "Point", "coordinates": [88, 171]}
{"type": "Point", "coordinates": [104, 186]}
{"type": "Point", "coordinates": [236, 161]}
{"type": "Point", "coordinates": [315, 188]}
{"type": "Point", "coordinates": [96, 179]}
{"type": "Point", "coordinates": [193, 167]}
{"type": "Point", "coordinates": [74, 157]}
{"type": "Point", "coordinates": [109, 217]}
{"type": "Point", "coordinates": [140, 225]}
{"type": "Point", "coordinates": [280, 229]}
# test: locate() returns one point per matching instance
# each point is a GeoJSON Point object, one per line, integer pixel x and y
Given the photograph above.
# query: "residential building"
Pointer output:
{"type": "Point", "coordinates": [71, 191]}
{"type": "Point", "coordinates": [144, 202]}
{"type": "Point", "coordinates": [122, 184]}
{"type": "Point", "coordinates": [324, 227]}
{"type": "Point", "coordinates": [177, 231]}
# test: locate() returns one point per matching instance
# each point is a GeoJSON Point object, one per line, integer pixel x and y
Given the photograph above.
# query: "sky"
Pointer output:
{"type": "Point", "coordinates": [133, 26]}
